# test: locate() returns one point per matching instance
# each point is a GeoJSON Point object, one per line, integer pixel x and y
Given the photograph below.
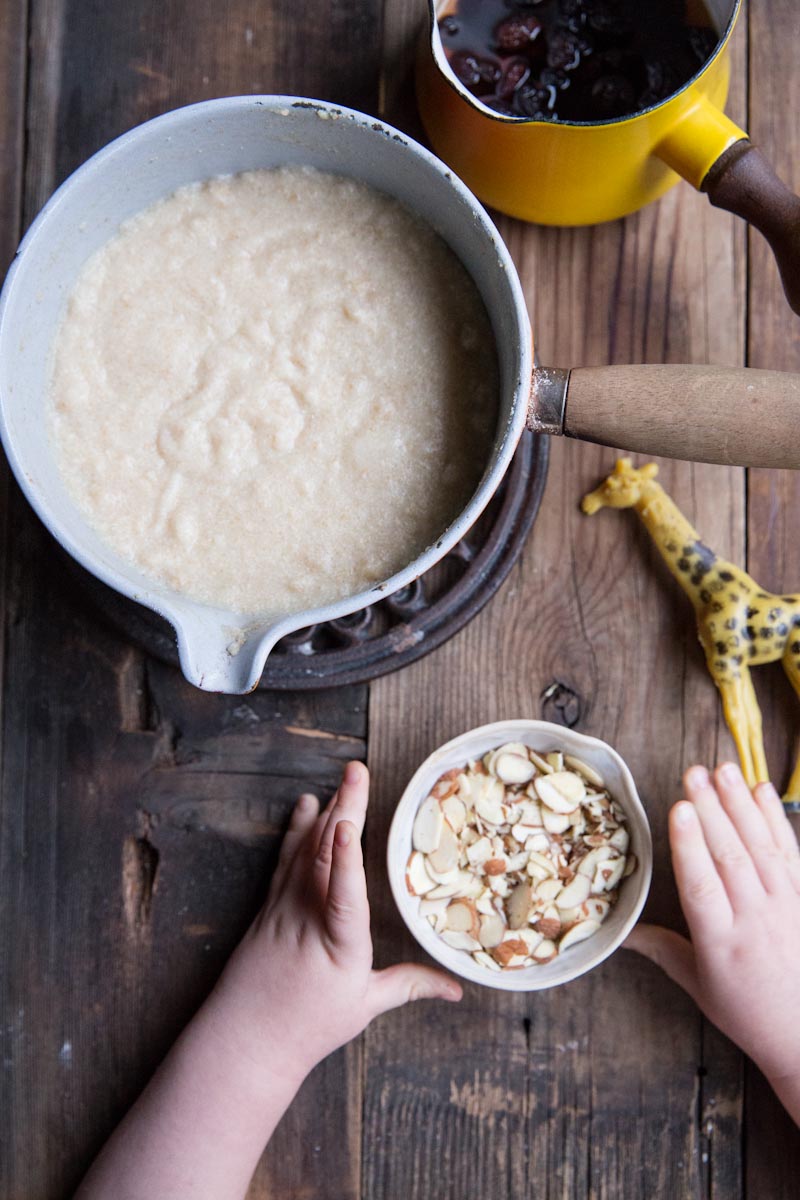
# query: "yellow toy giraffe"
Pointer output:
{"type": "Point", "coordinates": [739, 624]}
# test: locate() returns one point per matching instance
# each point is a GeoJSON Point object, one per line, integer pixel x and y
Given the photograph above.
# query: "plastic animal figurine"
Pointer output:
{"type": "Point", "coordinates": [739, 624]}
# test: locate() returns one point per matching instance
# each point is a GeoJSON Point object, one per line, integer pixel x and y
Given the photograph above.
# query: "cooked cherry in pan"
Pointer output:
{"type": "Point", "coordinates": [576, 60]}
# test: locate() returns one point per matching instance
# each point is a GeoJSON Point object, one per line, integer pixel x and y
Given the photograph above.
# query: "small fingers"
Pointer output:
{"type": "Point", "coordinates": [350, 804]}
{"type": "Point", "coordinates": [703, 897]}
{"type": "Point", "coordinates": [669, 951]}
{"type": "Point", "coordinates": [301, 822]}
{"type": "Point", "coordinates": [346, 912]}
{"type": "Point", "coordinates": [750, 823]}
{"type": "Point", "coordinates": [399, 984]}
{"type": "Point", "coordinates": [783, 835]}
{"type": "Point", "coordinates": [321, 823]}
{"type": "Point", "coordinates": [733, 863]}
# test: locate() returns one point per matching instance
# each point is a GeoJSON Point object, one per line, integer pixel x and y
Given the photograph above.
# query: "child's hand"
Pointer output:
{"type": "Point", "coordinates": [737, 868]}
{"type": "Point", "coordinates": [298, 985]}
{"type": "Point", "coordinates": [301, 982]}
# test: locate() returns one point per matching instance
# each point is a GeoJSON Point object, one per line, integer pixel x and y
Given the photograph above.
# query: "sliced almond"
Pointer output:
{"type": "Point", "coordinates": [631, 863]}
{"type": "Point", "coordinates": [555, 822]}
{"type": "Point", "coordinates": [491, 759]}
{"type": "Point", "coordinates": [521, 833]}
{"type": "Point", "coordinates": [608, 875]}
{"type": "Point", "coordinates": [575, 892]}
{"type": "Point", "coordinates": [462, 917]}
{"type": "Point", "coordinates": [418, 881]}
{"type": "Point", "coordinates": [509, 949]}
{"type": "Point", "coordinates": [543, 861]}
{"type": "Point", "coordinates": [531, 938]}
{"type": "Point", "coordinates": [530, 812]}
{"type": "Point", "coordinates": [517, 862]}
{"type": "Point", "coordinates": [518, 906]}
{"type": "Point", "coordinates": [570, 915]}
{"type": "Point", "coordinates": [459, 941]}
{"type": "Point", "coordinates": [578, 933]}
{"type": "Point", "coordinates": [428, 825]}
{"type": "Point", "coordinates": [539, 762]}
{"type": "Point", "coordinates": [514, 769]}
{"type": "Point", "coordinates": [451, 876]}
{"type": "Point", "coordinates": [446, 785]}
{"type": "Point", "coordinates": [545, 951]}
{"type": "Point", "coordinates": [445, 856]}
{"type": "Point", "coordinates": [620, 840]}
{"type": "Point", "coordinates": [589, 774]}
{"type": "Point", "coordinates": [455, 812]}
{"type": "Point", "coordinates": [597, 908]}
{"type": "Point", "coordinates": [539, 842]}
{"type": "Point", "coordinates": [510, 813]}
{"type": "Point", "coordinates": [479, 852]}
{"type": "Point", "coordinates": [499, 884]}
{"type": "Point", "coordinates": [549, 923]}
{"type": "Point", "coordinates": [520, 861]}
{"type": "Point", "coordinates": [486, 960]}
{"type": "Point", "coordinates": [552, 796]}
{"type": "Point", "coordinates": [434, 910]}
{"type": "Point", "coordinates": [492, 930]}
{"type": "Point", "coordinates": [571, 786]}
{"type": "Point", "coordinates": [470, 885]}
{"type": "Point", "coordinates": [588, 864]}
{"type": "Point", "coordinates": [577, 822]}
{"type": "Point", "coordinates": [548, 889]}
{"type": "Point", "coordinates": [489, 804]}
{"type": "Point", "coordinates": [465, 793]}
{"type": "Point", "coordinates": [443, 891]}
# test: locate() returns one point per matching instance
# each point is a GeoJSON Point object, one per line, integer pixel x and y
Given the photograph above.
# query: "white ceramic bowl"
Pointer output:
{"type": "Point", "coordinates": [542, 736]}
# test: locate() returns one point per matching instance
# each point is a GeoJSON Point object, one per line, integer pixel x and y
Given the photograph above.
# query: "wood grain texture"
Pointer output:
{"type": "Point", "coordinates": [139, 818]}
{"type": "Point", "coordinates": [773, 556]}
{"type": "Point", "coordinates": [712, 414]}
{"type": "Point", "coordinates": [570, 1093]}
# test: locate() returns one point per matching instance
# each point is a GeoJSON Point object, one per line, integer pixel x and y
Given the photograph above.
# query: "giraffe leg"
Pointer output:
{"type": "Point", "coordinates": [736, 717]}
{"type": "Point", "coordinates": [754, 728]}
{"type": "Point", "coordinates": [791, 665]}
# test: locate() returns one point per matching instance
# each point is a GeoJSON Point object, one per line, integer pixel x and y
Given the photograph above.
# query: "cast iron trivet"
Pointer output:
{"type": "Point", "coordinates": [395, 631]}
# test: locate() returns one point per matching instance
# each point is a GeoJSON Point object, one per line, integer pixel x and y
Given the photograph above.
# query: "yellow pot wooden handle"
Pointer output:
{"type": "Point", "coordinates": [738, 416]}
{"type": "Point", "coordinates": [717, 157]}
{"type": "Point", "coordinates": [744, 183]}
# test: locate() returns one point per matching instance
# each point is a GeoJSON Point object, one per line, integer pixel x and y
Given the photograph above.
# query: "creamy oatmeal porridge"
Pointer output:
{"type": "Point", "coordinates": [272, 390]}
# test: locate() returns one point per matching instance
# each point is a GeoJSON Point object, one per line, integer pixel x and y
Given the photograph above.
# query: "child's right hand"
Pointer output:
{"type": "Point", "coordinates": [301, 983]}
{"type": "Point", "coordinates": [737, 867]}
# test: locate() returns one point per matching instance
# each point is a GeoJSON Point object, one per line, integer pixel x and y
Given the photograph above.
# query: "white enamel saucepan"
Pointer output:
{"type": "Point", "coordinates": [708, 414]}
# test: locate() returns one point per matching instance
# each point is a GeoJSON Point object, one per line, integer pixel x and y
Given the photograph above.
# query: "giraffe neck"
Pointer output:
{"type": "Point", "coordinates": [689, 560]}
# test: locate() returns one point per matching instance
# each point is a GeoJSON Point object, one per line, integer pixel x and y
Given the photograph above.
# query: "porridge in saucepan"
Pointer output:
{"type": "Point", "coordinates": [273, 390]}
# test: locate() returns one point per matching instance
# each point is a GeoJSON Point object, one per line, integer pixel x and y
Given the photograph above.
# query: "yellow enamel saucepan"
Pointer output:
{"type": "Point", "coordinates": [570, 173]}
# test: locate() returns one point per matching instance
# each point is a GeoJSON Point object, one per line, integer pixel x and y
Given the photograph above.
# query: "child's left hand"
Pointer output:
{"type": "Point", "coordinates": [301, 982]}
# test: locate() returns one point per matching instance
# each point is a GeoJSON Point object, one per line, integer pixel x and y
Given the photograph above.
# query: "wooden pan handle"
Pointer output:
{"type": "Point", "coordinates": [739, 416]}
{"type": "Point", "coordinates": [742, 182]}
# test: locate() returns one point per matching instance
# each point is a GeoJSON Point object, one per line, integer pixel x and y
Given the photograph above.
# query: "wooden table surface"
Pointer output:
{"type": "Point", "coordinates": [139, 818]}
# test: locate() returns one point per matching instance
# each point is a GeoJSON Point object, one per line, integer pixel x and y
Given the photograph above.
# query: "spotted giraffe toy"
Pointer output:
{"type": "Point", "coordinates": [739, 624]}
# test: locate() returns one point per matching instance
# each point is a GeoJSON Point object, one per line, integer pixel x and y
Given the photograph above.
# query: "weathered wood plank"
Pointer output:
{"type": "Point", "coordinates": [140, 819]}
{"type": "Point", "coordinates": [576, 1087]}
{"type": "Point", "coordinates": [773, 1142]}
{"type": "Point", "coordinates": [13, 32]}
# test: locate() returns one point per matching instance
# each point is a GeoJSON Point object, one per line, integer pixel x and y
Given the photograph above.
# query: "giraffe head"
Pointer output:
{"type": "Point", "coordinates": [623, 488]}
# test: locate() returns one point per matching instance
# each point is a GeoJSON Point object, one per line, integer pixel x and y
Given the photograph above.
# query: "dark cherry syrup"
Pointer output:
{"type": "Point", "coordinates": [576, 60]}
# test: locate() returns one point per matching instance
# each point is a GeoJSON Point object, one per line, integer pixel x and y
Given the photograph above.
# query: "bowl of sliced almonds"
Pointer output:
{"type": "Point", "coordinates": [520, 854]}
